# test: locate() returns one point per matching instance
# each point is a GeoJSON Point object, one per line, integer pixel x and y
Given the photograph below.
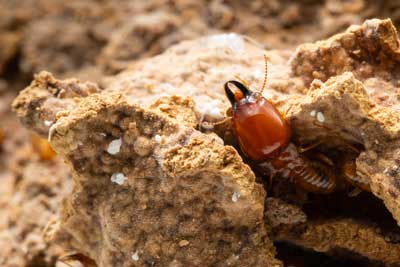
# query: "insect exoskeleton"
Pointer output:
{"type": "Point", "coordinates": [264, 135]}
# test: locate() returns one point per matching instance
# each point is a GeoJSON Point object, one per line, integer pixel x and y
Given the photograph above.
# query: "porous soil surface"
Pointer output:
{"type": "Point", "coordinates": [120, 149]}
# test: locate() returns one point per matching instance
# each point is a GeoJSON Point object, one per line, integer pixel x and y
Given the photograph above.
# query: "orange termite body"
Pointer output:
{"type": "Point", "coordinates": [264, 136]}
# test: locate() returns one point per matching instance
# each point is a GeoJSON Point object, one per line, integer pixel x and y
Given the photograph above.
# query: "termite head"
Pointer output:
{"type": "Point", "coordinates": [261, 130]}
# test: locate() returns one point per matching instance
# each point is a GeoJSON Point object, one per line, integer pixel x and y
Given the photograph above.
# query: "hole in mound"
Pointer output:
{"type": "Point", "coordinates": [294, 256]}
{"type": "Point", "coordinates": [40, 260]}
{"type": "Point", "coordinates": [364, 207]}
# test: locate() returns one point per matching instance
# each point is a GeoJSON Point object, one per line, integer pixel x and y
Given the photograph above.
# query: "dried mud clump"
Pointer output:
{"type": "Point", "coordinates": [31, 201]}
{"type": "Point", "coordinates": [153, 186]}
{"type": "Point", "coordinates": [32, 189]}
{"type": "Point", "coordinates": [190, 184]}
{"type": "Point", "coordinates": [372, 50]}
{"type": "Point", "coordinates": [180, 188]}
{"type": "Point", "coordinates": [69, 38]}
{"type": "Point", "coordinates": [354, 105]}
{"type": "Point", "coordinates": [91, 37]}
{"type": "Point", "coordinates": [49, 92]}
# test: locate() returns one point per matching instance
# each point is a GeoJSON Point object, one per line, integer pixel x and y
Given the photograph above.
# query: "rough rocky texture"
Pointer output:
{"type": "Point", "coordinates": [343, 234]}
{"type": "Point", "coordinates": [168, 164]}
{"type": "Point", "coordinates": [31, 204]}
{"type": "Point", "coordinates": [353, 105]}
{"type": "Point", "coordinates": [64, 54]}
{"type": "Point", "coordinates": [179, 191]}
{"type": "Point", "coordinates": [372, 50]}
{"type": "Point", "coordinates": [334, 234]}
{"type": "Point", "coordinates": [30, 195]}
{"type": "Point", "coordinates": [51, 96]}
{"type": "Point", "coordinates": [91, 37]}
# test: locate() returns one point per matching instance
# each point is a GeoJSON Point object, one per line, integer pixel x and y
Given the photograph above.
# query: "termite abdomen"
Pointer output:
{"type": "Point", "coordinates": [264, 135]}
{"type": "Point", "coordinates": [311, 176]}
{"type": "Point", "coordinates": [316, 178]}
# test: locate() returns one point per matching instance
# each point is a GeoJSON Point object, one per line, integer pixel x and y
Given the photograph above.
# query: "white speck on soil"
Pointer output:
{"type": "Point", "coordinates": [115, 146]}
{"type": "Point", "coordinates": [235, 196]}
{"type": "Point", "coordinates": [135, 256]}
{"type": "Point", "coordinates": [48, 123]}
{"type": "Point", "coordinates": [183, 243]}
{"type": "Point", "coordinates": [320, 117]}
{"type": "Point", "coordinates": [312, 113]}
{"type": "Point", "coordinates": [118, 178]}
{"type": "Point", "coordinates": [157, 138]}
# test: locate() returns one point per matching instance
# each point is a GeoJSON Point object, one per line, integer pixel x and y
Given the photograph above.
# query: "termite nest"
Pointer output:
{"type": "Point", "coordinates": [196, 198]}
{"type": "Point", "coordinates": [350, 200]}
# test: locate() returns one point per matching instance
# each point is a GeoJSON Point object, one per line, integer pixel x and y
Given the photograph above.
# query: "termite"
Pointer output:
{"type": "Point", "coordinates": [80, 258]}
{"type": "Point", "coordinates": [264, 134]}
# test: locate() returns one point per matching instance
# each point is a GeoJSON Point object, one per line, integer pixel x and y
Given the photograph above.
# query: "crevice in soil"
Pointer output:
{"type": "Point", "coordinates": [294, 256]}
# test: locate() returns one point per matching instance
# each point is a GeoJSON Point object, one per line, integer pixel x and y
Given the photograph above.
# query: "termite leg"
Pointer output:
{"type": "Point", "coordinates": [325, 159]}
{"type": "Point", "coordinates": [351, 147]}
{"type": "Point", "coordinates": [270, 181]}
{"type": "Point", "coordinates": [210, 125]}
{"type": "Point", "coordinates": [355, 192]}
{"type": "Point", "coordinates": [305, 149]}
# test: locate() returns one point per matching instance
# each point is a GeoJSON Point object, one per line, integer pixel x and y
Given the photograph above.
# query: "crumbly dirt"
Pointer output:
{"type": "Point", "coordinates": [30, 196]}
{"type": "Point", "coordinates": [183, 191]}
{"type": "Point", "coordinates": [89, 38]}
{"type": "Point", "coordinates": [351, 78]}
{"type": "Point", "coordinates": [163, 155]}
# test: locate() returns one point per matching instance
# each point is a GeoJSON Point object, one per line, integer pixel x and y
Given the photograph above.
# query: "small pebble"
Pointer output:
{"type": "Point", "coordinates": [312, 113]}
{"type": "Point", "coordinates": [320, 117]}
{"type": "Point", "coordinates": [135, 256]}
{"type": "Point", "coordinates": [115, 146]}
{"type": "Point", "coordinates": [183, 243]}
{"type": "Point", "coordinates": [157, 138]}
{"type": "Point", "coordinates": [48, 123]}
{"type": "Point", "coordinates": [235, 196]}
{"type": "Point", "coordinates": [118, 178]}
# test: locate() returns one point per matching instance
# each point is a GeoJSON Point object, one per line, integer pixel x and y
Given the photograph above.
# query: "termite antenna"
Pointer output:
{"type": "Point", "coordinates": [265, 75]}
